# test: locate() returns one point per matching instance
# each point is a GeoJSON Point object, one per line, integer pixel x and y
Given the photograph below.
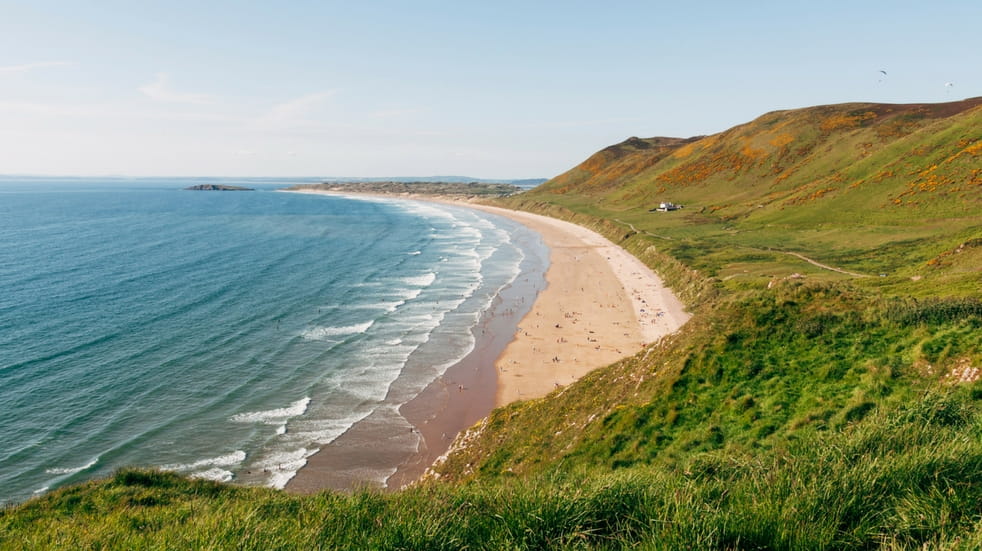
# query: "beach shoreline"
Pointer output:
{"type": "Point", "coordinates": [599, 304]}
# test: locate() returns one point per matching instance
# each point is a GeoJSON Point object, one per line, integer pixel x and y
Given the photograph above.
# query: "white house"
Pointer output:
{"type": "Point", "coordinates": [665, 207]}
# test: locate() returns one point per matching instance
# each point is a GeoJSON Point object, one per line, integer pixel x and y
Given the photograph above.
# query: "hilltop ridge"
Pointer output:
{"type": "Point", "coordinates": [830, 183]}
{"type": "Point", "coordinates": [792, 156]}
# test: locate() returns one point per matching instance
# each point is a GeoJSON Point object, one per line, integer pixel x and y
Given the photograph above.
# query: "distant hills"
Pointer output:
{"type": "Point", "coordinates": [217, 187]}
{"type": "Point", "coordinates": [525, 183]}
{"type": "Point", "coordinates": [414, 187]}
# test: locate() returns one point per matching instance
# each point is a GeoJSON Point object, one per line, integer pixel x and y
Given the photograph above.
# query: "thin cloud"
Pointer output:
{"type": "Point", "coordinates": [25, 67]}
{"type": "Point", "coordinates": [297, 111]}
{"type": "Point", "coordinates": [578, 123]}
{"type": "Point", "coordinates": [394, 113]}
{"type": "Point", "coordinates": [160, 90]}
{"type": "Point", "coordinates": [53, 109]}
{"type": "Point", "coordinates": [38, 111]}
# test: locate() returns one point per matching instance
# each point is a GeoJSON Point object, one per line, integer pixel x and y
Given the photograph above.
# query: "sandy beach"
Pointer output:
{"type": "Point", "coordinates": [599, 304]}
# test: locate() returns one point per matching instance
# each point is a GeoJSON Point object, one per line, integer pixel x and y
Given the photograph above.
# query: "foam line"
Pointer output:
{"type": "Point", "coordinates": [273, 416]}
{"type": "Point", "coordinates": [321, 333]}
{"type": "Point", "coordinates": [227, 460]}
{"type": "Point", "coordinates": [72, 470]}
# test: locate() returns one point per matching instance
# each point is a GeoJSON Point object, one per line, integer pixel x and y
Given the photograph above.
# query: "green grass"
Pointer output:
{"type": "Point", "coordinates": [750, 374]}
{"type": "Point", "coordinates": [909, 479]}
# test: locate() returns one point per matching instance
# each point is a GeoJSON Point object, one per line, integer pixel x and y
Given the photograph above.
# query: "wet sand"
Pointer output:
{"type": "Point", "coordinates": [600, 304]}
{"type": "Point", "coordinates": [402, 441]}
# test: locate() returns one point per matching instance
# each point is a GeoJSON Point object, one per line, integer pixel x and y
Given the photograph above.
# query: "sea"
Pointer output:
{"type": "Point", "coordinates": [222, 333]}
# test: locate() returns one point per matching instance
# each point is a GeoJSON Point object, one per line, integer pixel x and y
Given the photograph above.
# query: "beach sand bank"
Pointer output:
{"type": "Point", "coordinates": [600, 304]}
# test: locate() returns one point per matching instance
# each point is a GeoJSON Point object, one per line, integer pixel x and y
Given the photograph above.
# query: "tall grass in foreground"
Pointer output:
{"type": "Point", "coordinates": [910, 479]}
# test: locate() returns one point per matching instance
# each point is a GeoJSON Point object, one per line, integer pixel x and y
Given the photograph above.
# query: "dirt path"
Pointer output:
{"type": "Point", "coordinates": [797, 255]}
{"type": "Point", "coordinates": [823, 266]}
{"type": "Point", "coordinates": [630, 225]}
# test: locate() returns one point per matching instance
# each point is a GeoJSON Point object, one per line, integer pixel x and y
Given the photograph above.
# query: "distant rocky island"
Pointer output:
{"type": "Point", "coordinates": [457, 189]}
{"type": "Point", "coordinates": [217, 187]}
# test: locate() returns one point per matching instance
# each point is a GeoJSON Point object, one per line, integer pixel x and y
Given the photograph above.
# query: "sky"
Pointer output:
{"type": "Point", "coordinates": [494, 89]}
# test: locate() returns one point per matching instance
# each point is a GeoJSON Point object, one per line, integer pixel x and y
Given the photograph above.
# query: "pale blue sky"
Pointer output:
{"type": "Point", "coordinates": [496, 89]}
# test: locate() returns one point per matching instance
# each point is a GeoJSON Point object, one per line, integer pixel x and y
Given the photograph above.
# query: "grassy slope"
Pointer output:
{"type": "Point", "coordinates": [873, 189]}
{"type": "Point", "coordinates": [905, 480]}
{"type": "Point", "coordinates": [754, 375]}
{"type": "Point", "coordinates": [789, 413]}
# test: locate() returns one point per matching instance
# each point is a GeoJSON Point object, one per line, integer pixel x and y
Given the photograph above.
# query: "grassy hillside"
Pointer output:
{"type": "Point", "coordinates": [866, 188]}
{"type": "Point", "coordinates": [909, 479]}
{"type": "Point", "coordinates": [801, 407]}
{"type": "Point", "coordinates": [753, 375]}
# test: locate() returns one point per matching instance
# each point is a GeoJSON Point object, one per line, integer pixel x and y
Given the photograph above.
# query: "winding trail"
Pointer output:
{"type": "Point", "coordinates": [630, 225]}
{"type": "Point", "coordinates": [823, 266]}
{"type": "Point", "coordinates": [798, 255]}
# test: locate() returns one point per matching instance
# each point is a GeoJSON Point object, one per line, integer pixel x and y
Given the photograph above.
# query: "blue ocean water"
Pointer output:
{"type": "Point", "coordinates": [223, 335]}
